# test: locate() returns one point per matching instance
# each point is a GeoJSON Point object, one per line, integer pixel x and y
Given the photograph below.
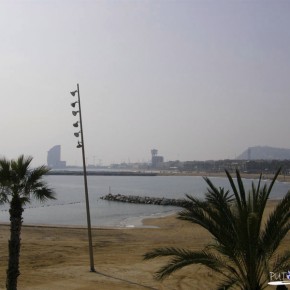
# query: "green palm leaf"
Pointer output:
{"type": "Point", "coordinates": [243, 251]}
{"type": "Point", "coordinates": [18, 184]}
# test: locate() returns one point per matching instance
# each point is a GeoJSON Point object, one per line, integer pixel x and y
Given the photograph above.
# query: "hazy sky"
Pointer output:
{"type": "Point", "coordinates": [196, 80]}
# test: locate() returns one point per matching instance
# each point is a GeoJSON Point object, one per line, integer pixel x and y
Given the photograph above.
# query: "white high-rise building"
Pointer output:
{"type": "Point", "coordinates": [53, 158]}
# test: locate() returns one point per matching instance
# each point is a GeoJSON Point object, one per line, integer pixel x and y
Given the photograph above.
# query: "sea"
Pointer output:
{"type": "Point", "coordinates": [69, 208]}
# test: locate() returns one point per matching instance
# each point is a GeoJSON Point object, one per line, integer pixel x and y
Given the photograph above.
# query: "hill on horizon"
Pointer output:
{"type": "Point", "coordinates": [265, 153]}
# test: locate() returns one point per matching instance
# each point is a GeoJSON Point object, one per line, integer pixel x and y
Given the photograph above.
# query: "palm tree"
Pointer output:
{"type": "Point", "coordinates": [18, 185]}
{"type": "Point", "coordinates": [244, 248]}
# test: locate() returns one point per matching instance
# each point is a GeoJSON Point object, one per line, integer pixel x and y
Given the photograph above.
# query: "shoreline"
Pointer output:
{"type": "Point", "coordinates": [127, 223]}
{"type": "Point", "coordinates": [265, 176]}
{"type": "Point", "coordinates": [139, 222]}
{"type": "Point", "coordinates": [119, 222]}
{"type": "Point", "coordinates": [153, 173]}
{"type": "Point", "coordinates": [57, 258]}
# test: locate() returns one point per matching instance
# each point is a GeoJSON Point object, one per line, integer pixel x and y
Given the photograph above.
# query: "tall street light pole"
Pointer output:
{"type": "Point", "coordinates": [81, 144]}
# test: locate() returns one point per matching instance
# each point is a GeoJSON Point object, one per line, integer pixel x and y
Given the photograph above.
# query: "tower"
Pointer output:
{"type": "Point", "coordinates": [154, 152]}
{"type": "Point", "coordinates": [249, 153]}
{"type": "Point", "coordinates": [53, 158]}
{"type": "Point", "coordinates": [156, 160]}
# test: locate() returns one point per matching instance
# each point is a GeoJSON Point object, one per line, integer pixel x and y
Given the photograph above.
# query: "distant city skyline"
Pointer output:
{"type": "Point", "coordinates": [198, 80]}
{"type": "Point", "coordinates": [156, 161]}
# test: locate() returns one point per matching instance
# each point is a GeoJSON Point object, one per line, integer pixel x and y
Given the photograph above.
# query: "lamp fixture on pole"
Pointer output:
{"type": "Point", "coordinates": [77, 134]}
{"type": "Point", "coordinates": [81, 145]}
{"type": "Point", "coordinates": [73, 104]}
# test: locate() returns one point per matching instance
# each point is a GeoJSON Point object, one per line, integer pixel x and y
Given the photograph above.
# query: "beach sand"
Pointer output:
{"type": "Point", "coordinates": [54, 258]}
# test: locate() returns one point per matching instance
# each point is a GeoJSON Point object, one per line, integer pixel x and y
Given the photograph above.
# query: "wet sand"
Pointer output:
{"type": "Point", "coordinates": [57, 258]}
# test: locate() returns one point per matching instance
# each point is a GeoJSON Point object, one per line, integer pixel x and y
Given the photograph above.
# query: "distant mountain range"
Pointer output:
{"type": "Point", "coordinates": [265, 153]}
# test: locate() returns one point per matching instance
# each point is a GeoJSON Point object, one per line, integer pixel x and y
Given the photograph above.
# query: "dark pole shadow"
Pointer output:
{"type": "Point", "coordinates": [124, 280]}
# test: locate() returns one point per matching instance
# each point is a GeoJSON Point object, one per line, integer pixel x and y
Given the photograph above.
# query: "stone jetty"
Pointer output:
{"type": "Point", "coordinates": [144, 199]}
{"type": "Point", "coordinates": [103, 173]}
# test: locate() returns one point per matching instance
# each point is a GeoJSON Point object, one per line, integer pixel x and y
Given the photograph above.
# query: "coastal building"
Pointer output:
{"type": "Point", "coordinates": [54, 158]}
{"type": "Point", "coordinates": [156, 161]}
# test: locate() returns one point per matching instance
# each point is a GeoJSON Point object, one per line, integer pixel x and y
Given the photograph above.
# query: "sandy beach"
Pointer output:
{"type": "Point", "coordinates": [57, 258]}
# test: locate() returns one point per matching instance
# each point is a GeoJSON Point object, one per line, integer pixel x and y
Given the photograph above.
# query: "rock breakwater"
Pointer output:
{"type": "Point", "coordinates": [144, 199]}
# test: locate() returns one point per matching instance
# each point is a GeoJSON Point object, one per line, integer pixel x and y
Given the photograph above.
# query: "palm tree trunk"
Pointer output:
{"type": "Point", "coordinates": [14, 243]}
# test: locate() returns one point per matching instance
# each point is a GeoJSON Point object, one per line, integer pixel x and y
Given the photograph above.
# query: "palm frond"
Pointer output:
{"type": "Point", "coordinates": [182, 258]}
{"type": "Point", "coordinates": [227, 283]}
{"type": "Point", "coordinates": [242, 192]}
{"type": "Point", "coordinates": [263, 195]}
{"type": "Point", "coordinates": [214, 193]}
{"type": "Point", "coordinates": [235, 191]}
{"type": "Point", "coordinates": [281, 262]}
{"type": "Point", "coordinates": [274, 180]}
{"type": "Point", "coordinates": [21, 166]}
{"type": "Point", "coordinates": [209, 218]}
{"type": "Point", "coordinates": [3, 196]}
{"type": "Point", "coordinates": [44, 193]}
{"type": "Point", "coordinates": [277, 225]}
{"type": "Point", "coordinates": [243, 250]}
{"type": "Point", "coordinates": [4, 172]}
{"type": "Point", "coordinates": [37, 174]}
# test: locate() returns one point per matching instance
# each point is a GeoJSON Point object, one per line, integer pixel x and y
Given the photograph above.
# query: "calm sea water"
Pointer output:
{"type": "Point", "coordinates": [69, 207]}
